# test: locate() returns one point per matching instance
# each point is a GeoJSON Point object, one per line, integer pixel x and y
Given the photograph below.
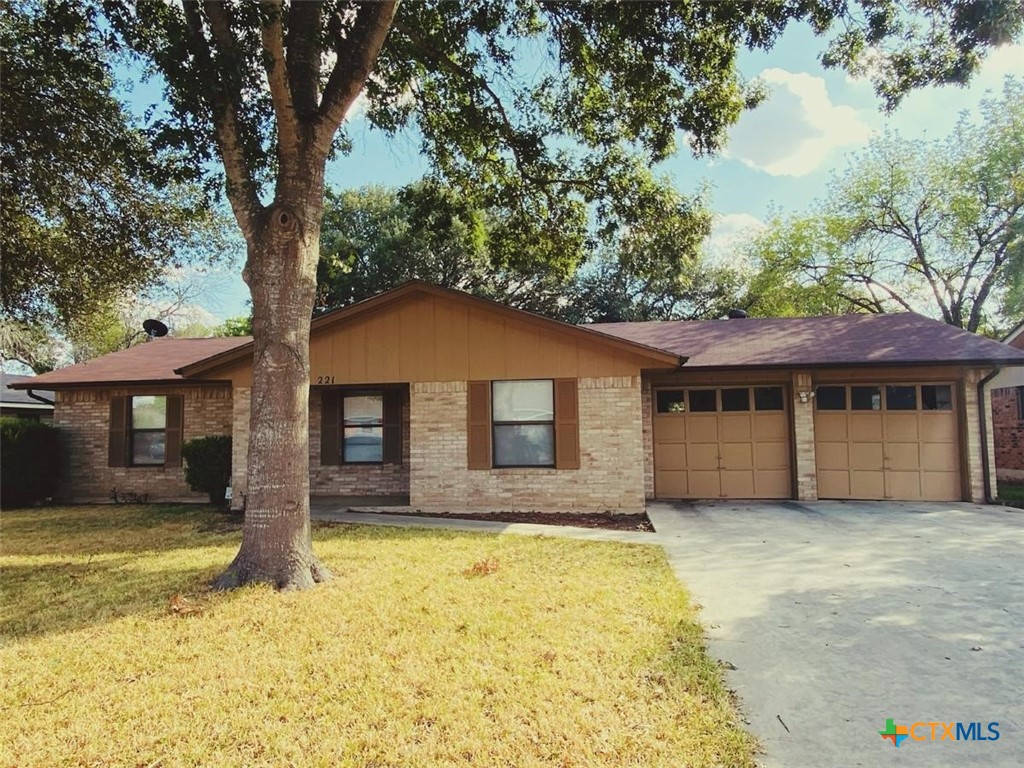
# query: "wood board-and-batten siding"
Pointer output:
{"type": "Point", "coordinates": [432, 338]}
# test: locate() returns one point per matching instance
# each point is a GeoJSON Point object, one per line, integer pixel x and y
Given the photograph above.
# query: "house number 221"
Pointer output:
{"type": "Point", "coordinates": [324, 379]}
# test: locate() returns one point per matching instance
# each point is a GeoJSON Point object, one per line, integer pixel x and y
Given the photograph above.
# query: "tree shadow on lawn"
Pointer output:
{"type": "Point", "coordinates": [68, 569]}
{"type": "Point", "coordinates": [105, 529]}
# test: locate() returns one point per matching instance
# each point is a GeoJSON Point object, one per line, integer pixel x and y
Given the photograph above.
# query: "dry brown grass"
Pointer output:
{"type": "Point", "coordinates": [569, 654]}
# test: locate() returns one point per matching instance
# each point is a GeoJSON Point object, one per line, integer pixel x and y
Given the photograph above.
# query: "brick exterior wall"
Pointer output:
{"type": "Point", "coordinates": [611, 473]}
{"type": "Point", "coordinates": [355, 479]}
{"type": "Point", "coordinates": [973, 459]}
{"type": "Point", "coordinates": [647, 404]}
{"type": "Point", "coordinates": [803, 439]}
{"type": "Point", "coordinates": [83, 417]}
{"type": "Point", "coordinates": [1008, 434]}
{"type": "Point", "coordinates": [327, 480]}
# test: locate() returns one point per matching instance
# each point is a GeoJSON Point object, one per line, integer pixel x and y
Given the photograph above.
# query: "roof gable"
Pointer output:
{"type": "Point", "coordinates": [432, 333]}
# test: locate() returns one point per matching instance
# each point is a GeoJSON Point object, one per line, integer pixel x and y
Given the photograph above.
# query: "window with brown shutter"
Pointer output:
{"type": "Point", "coordinates": [523, 423]}
{"type": "Point", "coordinates": [393, 401]}
{"type": "Point", "coordinates": [174, 430]}
{"type": "Point", "coordinates": [118, 434]}
{"type": "Point", "coordinates": [478, 425]}
{"type": "Point", "coordinates": [361, 426]}
{"type": "Point", "coordinates": [330, 421]}
{"type": "Point", "coordinates": [146, 431]}
{"type": "Point", "coordinates": [567, 424]}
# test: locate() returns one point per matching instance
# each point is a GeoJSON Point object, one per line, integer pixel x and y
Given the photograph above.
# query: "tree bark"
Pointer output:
{"type": "Point", "coordinates": [281, 272]}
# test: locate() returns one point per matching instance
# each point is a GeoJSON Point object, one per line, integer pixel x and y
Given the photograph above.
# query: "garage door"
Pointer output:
{"type": "Point", "coordinates": [729, 442]}
{"type": "Point", "coordinates": [895, 441]}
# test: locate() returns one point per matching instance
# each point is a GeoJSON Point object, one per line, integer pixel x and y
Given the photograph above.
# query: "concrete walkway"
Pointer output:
{"type": "Point", "coordinates": [347, 515]}
{"type": "Point", "coordinates": [832, 617]}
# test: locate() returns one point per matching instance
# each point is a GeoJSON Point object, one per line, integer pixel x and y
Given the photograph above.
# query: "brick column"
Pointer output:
{"type": "Point", "coordinates": [972, 443]}
{"type": "Point", "coordinates": [647, 406]}
{"type": "Point", "coordinates": [803, 436]}
{"type": "Point", "coordinates": [240, 404]}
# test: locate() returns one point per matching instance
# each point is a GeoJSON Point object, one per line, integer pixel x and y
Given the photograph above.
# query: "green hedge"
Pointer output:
{"type": "Point", "coordinates": [208, 465]}
{"type": "Point", "coordinates": [29, 461]}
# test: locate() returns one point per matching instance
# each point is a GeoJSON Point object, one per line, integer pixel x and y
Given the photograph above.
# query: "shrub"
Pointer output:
{"type": "Point", "coordinates": [208, 465]}
{"type": "Point", "coordinates": [29, 461]}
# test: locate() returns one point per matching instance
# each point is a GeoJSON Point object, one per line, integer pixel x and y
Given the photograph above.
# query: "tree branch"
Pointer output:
{"type": "Point", "coordinates": [357, 53]}
{"type": "Point", "coordinates": [304, 50]}
{"type": "Point", "coordinates": [272, 37]}
{"type": "Point", "coordinates": [241, 188]}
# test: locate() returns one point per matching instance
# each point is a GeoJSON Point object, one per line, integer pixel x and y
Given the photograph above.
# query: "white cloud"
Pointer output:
{"type": "Point", "coordinates": [728, 234]}
{"type": "Point", "coordinates": [797, 128]}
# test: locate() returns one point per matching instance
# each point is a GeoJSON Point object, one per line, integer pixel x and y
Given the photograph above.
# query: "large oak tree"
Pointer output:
{"type": "Point", "coordinates": [549, 107]}
{"type": "Point", "coordinates": [931, 226]}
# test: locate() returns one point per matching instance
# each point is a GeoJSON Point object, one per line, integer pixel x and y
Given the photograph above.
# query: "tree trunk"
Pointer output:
{"type": "Point", "coordinates": [281, 272]}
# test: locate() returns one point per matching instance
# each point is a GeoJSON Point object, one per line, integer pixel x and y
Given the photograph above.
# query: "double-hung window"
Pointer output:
{"type": "Point", "coordinates": [362, 418]}
{"type": "Point", "coordinates": [147, 431]}
{"type": "Point", "coordinates": [523, 423]}
{"type": "Point", "coordinates": [530, 423]}
{"type": "Point", "coordinates": [361, 426]}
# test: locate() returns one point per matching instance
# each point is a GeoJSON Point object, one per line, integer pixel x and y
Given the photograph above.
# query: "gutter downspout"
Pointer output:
{"type": "Point", "coordinates": [986, 475]}
{"type": "Point", "coordinates": [40, 398]}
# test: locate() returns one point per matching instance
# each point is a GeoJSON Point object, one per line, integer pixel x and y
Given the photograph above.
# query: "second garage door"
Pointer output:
{"type": "Point", "coordinates": [729, 442]}
{"type": "Point", "coordinates": [895, 441]}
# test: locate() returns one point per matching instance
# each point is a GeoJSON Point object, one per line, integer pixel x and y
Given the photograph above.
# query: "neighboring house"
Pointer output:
{"type": "Point", "coordinates": [454, 400]}
{"type": "Point", "coordinates": [1007, 390]}
{"type": "Point", "coordinates": [21, 403]}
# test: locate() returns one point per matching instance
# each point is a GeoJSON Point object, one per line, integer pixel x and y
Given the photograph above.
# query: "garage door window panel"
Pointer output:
{"type": "Point", "coordinates": [671, 401]}
{"type": "Point", "coordinates": [703, 400]}
{"type": "Point", "coordinates": [736, 400]}
{"type": "Point", "coordinates": [831, 398]}
{"type": "Point", "coordinates": [865, 398]}
{"type": "Point", "coordinates": [768, 399]}
{"type": "Point", "coordinates": [936, 397]}
{"type": "Point", "coordinates": [900, 398]}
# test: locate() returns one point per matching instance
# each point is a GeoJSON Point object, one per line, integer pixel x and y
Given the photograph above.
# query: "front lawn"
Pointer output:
{"type": "Point", "coordinates": [547, 652]}
{"type": "Point", "coordinates": [1011, 494]}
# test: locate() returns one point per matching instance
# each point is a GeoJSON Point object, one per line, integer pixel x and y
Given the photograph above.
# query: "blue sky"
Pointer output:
{"type": "Point", "coordinates": [780, 156]}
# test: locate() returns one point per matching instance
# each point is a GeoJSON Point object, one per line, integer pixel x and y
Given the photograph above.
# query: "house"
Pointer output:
{"type": "Point", "coordinates": [1007, 390]}
{"type": "Point", "coordinates": [30, 403]}
{"type": "Point", "coordinates": [450, 399]}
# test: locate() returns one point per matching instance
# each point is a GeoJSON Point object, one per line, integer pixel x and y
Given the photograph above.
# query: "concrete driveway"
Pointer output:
{"type": "Point", "coordinates": [840, 615]}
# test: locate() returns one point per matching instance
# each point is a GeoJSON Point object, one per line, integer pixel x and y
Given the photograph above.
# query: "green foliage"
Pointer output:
{"type": "Point", "coordinates": [29, 461]}
{"type": "Point", "coordinates": [236, 326]}
{"type": "Point", "coordinates": [208, 465]}
{"type": "Point", "coordinates": [90, 211]}
{"type": "Point", "coordinates": [375, 238]}
{"type": "Point", "coordinates": [931, 226]}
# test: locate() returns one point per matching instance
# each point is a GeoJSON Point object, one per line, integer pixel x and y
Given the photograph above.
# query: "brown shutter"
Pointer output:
{"type": "Point", "coordinates": [567, 424]}
{"type": "Point", "coordinates": [330, 422]}
{"type": "Point", "coordinates": [393, 399]}
{"type": "Point", "coordinates": [175, 426]}
{"type": "Point", "coordinates": [478, 425]}
{"type": "Point", "coordinates": [117, 445]}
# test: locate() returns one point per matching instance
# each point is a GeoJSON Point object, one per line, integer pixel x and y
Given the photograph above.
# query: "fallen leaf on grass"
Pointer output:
{"type": "Point", "coordinates": [482, 568]}
{"type": "Point", "coordinates": [182, 606]}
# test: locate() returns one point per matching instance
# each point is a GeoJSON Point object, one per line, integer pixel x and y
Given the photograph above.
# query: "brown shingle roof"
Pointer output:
{"type": "Point", "coordinates": [10, 396]}
{"type": "Point", "coordinates": [843, 340]}
{"type": "Point", "coordinates": [153, 362]}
